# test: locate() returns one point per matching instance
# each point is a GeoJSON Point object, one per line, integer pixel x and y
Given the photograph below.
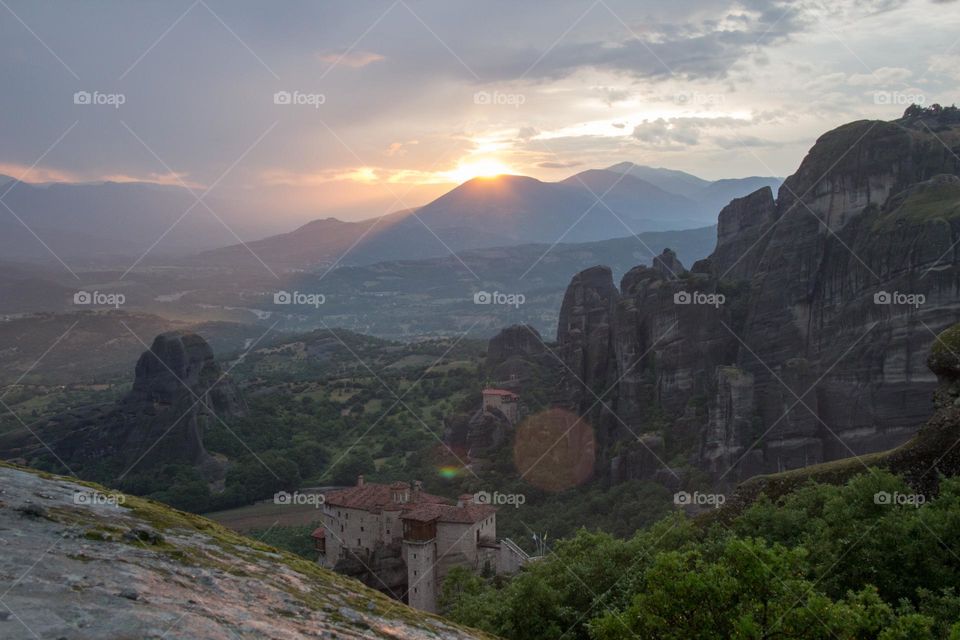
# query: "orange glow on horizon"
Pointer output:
{"type": "Point", "coordinates": [479, 168]}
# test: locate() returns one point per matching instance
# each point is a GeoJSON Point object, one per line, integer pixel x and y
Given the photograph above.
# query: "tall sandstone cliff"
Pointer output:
{"type": "Point", "coordinates": [803, 337]}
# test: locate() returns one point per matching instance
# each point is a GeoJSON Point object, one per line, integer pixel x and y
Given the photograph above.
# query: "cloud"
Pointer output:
{"type": "Point", "coordinates": [683, 131]}
{"type": "Point", "coordinates": [41, 174]}
{"type": "Point", "coordinates": [399, 148]}
{"type": "Point", "coordinates": [607, 90]}
{"type": "Point", "coordinates": [882, 76]}
{"type": "Point", "coordinates": [559, 165]}
{"type": "Point", "coordinates": [173, 179]}
{"type": "Point", "coordinates": [526, 133]}
{"type": "Point", "coordinates": [687, 47]}
{"type": "Point", "coordinates": [945, 64]}
{"type": "Point", "coordinates": [352, 59]}
{"type": "Point", "coordinates": [25, 173]}
{"type": "Point", "coordinates": [611, 96]}
{"type": "Point", "coordinates": [739, 142]}
{"type": "Point", "coordinates": [663, 132]}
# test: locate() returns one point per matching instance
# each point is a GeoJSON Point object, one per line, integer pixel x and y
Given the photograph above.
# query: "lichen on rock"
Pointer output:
{"type": "Point", "coordinates": [127, 567]}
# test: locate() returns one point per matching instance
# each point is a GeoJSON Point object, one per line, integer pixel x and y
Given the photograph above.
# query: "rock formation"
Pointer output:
{"type": "Point", "coordinates": [178, 389]}
{"type": "Point", "coordinates": [476, 436]}
{"type": "Point", "coordinates": [513, 355]}
{"type": "Point", "coordinates": [803, 337]}
{"type": "Point", "coordinates": [518, 339]}
{"type": "Point", "coordinates": [584, 333]}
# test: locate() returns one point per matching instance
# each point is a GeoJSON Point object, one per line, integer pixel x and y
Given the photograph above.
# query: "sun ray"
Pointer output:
{"type": "Point", "coordinates": [478, 168]}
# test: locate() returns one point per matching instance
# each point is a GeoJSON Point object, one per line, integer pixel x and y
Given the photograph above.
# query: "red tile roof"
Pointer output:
{"type": "Point", "coordinates": [376, 498]}
{"type": "Point", "coordinates": [319, 532]}
{"type": "Point", "coordinates": [467, 514]}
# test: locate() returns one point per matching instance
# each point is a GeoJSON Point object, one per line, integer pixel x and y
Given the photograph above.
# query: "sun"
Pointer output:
{"type": "Point", "coordinates": [479, 168]}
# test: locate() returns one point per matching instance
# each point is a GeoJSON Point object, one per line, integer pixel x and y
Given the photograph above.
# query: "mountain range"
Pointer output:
{"type": "Point", "coordinates": [507, 210]}
{"type": "Point", "coordinates": [109, 222]}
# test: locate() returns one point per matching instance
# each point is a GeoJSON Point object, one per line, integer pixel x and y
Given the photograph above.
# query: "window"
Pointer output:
{"type": "Point", "coordinates": [361, 528]}
{"type": "Point", "coordinates": [358, 542]}
{"type": "Point", "coordinates": [415, 574]}
{"type": "Point", "coordinates": [414, 556]}
{"type": "Point", "coordinates": [415, 590]}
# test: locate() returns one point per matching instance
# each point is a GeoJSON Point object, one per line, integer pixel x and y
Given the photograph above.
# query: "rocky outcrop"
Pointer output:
{"type": "Point", "coordinates": [803, 337]}
{"type": "Point", "coordinates": [87, 563]}
{"type": "Point", "coordinates": [383, 568]}
{"type": "Point", "coordinates": [478, 435]}
{"type": "Point", "coordinates": [486, 430]}
{"type": "Point", "coordinates": [668, 265]}
{"type": "Point", "coordinates": [584, 333]}
{"type": "Point", "coordinates": [516, 340]}
{"type": "Point", "coordinates": [515, 355]}
{"type": "Point", "coordinates": [178, 389]}
{"type": "Point", "coordinates": [740, 226]}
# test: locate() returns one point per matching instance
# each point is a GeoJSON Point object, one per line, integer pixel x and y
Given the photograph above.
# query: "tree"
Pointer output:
{"type": "Point", "coordinates": [750, 591]}
{"type": "Point", "coordinates": [345, 470]}
{"type": "Point", "coordinates": [259, 477]}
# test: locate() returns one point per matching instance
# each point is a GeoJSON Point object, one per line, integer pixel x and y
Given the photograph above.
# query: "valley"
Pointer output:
{"type": "Point", "coordinates": [665, 400]}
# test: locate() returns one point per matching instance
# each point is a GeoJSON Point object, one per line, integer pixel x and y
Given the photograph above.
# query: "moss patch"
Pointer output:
{"type": "Point", "coordinates": [927, 202]}
{"type": "Point", "coordinates": [944, 357]}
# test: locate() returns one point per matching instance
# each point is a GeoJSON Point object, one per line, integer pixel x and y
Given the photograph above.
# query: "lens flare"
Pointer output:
{"type": "Point", "coordinates": [449, 472]}
{"type": "Point", "coordinates": [554, 450]}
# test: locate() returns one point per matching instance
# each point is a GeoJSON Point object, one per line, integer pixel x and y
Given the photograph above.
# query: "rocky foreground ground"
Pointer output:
{"type": "Point", "coordinates": [75, 564]}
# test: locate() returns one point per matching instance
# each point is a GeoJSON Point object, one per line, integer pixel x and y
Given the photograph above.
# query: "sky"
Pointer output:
{"type": "Point", "coordinates": [356, 109]}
